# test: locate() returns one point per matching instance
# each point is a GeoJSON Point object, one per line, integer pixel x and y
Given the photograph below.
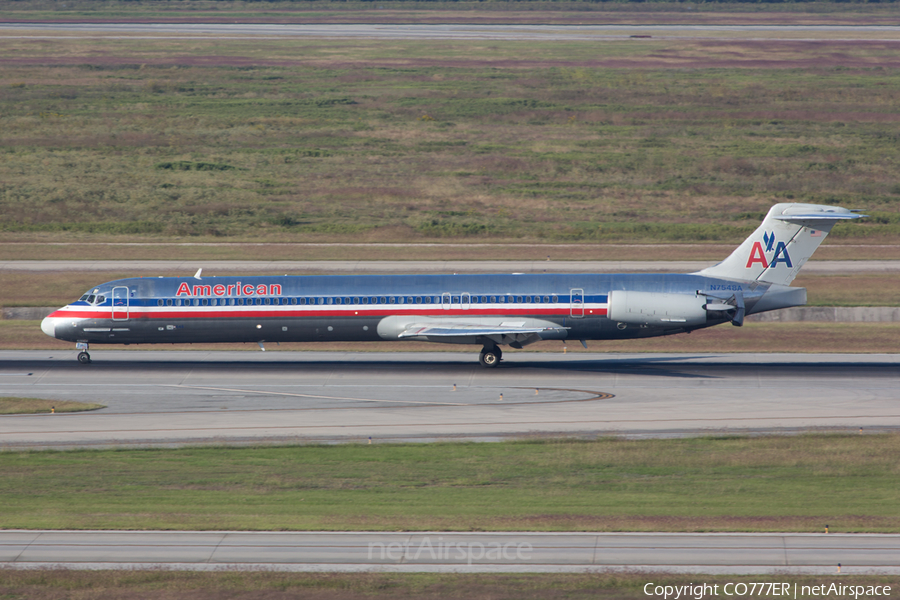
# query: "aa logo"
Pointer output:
{"type": "Point", "coordinates": [758, 255]}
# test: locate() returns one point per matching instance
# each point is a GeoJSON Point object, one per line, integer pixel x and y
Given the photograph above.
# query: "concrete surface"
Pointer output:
{"type": "Point", "coordinates": [455, 552]}
{"type": "Point", "coordinates": [170, 398]}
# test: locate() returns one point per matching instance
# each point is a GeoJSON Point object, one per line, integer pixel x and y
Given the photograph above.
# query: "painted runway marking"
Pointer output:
{"type": "Point", "coordinates": [197, 387]}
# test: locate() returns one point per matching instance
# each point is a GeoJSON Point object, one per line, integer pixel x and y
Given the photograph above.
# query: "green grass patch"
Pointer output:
{"type": "Point", "coordinates": [797, 483]}
{"type": "Point", "coordinates": [34, 406]}
{"type": "Point", "coordinates": [181, 585]}
{"type": "Point", "coordinates": [328, 140]}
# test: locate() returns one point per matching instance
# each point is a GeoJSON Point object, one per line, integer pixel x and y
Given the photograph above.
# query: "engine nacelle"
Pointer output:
{"type": "Point", "coordinates": [656, 308]}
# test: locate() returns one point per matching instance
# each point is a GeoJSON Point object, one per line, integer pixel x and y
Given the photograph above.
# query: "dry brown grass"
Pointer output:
{"type": "Point", "coordinates": [874, 249]}
{"type": "Point", "coordinates": [806, 337]}
{"type": "Point", "coordinates": [29, 288]}
{"type": "Point", "coordinates": [33, 406]}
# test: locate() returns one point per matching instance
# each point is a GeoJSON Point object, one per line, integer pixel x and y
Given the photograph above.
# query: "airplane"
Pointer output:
{"type": "Point", "coordinates": [487, 310]}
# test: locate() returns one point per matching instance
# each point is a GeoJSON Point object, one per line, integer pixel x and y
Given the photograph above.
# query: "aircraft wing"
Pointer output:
{"type": "Point", "coordinates": [463, 329]}
{"type": "Point", "coordinates": [509, 332]}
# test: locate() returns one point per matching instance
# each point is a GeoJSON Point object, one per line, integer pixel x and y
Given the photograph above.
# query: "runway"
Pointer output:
{"type": "Point", "coordinates": [169, 398]}
{"type": "Point", "coordinates": [454, 552]}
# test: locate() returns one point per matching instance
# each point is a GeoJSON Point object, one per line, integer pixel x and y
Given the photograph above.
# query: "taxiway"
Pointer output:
{"type": "Point", "coordinates": [454, 552]}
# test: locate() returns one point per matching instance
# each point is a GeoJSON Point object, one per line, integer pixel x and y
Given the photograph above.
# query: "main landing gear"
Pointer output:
{"type": "Point", "coordinates": [490, 356]}
{"type": "Point", "coordinates": [83, 357]}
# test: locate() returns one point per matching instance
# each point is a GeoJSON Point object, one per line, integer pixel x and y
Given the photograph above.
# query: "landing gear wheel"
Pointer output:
{"type": "Point", "coordinates": [490, 357]}
{"type": "Point", "coordinates": [84, 358]}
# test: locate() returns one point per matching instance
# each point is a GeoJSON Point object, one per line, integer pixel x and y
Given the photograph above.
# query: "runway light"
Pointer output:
{"type": "Point", "coordinates": [501, 397]}
{"type": "Point", "coordinates": [454, 387]}
{"type": "Point", "coordinates": [536, 392]}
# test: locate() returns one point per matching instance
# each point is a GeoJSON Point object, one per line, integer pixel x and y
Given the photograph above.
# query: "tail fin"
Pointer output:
{"type": "Point", "coordinates": [776, 251]}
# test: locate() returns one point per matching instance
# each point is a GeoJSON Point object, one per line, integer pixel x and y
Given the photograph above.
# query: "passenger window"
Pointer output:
{"type": "Point", "coordinates": [393, 300]}
{"type": "Point", "coordinates": [204, 302]}
{"type": "Point", "coordinates": [554, 298]}
{"type": "Point", "coordinates": [355, 300]}
{"type": "Point", "coordinates": [169, 302]}
{"type": "Point", "coordinates": [159, 302]}
{"type": "Point", "coordinates": [365, 300]}
{"type": "Point", "coordinates": [383, 300]}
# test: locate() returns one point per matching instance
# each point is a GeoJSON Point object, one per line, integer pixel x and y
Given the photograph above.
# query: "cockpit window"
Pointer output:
{"type": "Point", "coordinates": [83, 298]}
{"type": "Point", "coordinates": [101, 299]}
{"type": "Point", "coordinates": [90, 299]}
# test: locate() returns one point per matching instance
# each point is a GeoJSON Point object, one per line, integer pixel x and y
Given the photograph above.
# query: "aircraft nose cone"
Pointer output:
{"type": "Point", "coordinates": [48, 326]}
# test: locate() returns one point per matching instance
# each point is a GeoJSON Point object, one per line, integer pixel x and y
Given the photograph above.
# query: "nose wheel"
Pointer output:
{"type": "Point", "coordinates": [490, 357]}
{"type": "Point", "coordinates": [84, 358]}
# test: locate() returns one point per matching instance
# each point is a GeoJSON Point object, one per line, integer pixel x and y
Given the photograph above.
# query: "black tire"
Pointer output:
{"type": "Point", "coordinates": [490, 358]}
{"type": "Point", "coordinates": [84, 358]}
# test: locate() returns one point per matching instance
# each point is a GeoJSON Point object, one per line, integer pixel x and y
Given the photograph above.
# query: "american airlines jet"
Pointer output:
{"type": "Point", "coordinates": [483, 310]}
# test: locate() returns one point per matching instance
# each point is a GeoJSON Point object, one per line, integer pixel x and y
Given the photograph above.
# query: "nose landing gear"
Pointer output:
{"type": "Point", "coordinates": [490, 356]}
{"type": "Point", "coordinates": [83, 356]}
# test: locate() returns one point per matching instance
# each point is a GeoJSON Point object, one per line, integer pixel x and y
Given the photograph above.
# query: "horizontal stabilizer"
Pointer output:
{"type": "Point", "coordinates": [819, 217]}
{"type": "Point", "coordinates": [782, 244]}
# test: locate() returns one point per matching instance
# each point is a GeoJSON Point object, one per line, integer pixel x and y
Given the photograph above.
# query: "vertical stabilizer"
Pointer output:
{"type": "Point", "coordinates": [776, 251]}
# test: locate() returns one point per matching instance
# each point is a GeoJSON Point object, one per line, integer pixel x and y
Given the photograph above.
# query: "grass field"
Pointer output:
{"type": "Point", "coordinates": [360, 140]}
{"type": "Point", "coordinates": [152, 585]}
{"type": "Point", "coordinates": [797, 483]}
{"type": "Point", "coordinates": [90, 585]}
{"type": "Point", "coordinates": [443, 11]}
